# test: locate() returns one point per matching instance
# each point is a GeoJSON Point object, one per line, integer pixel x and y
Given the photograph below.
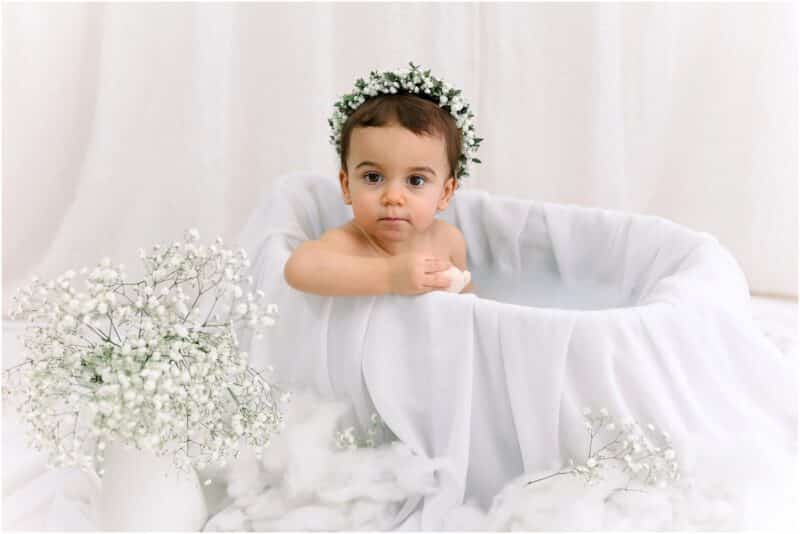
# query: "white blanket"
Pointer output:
{"type": "Point", "coordinates": [575, 307]}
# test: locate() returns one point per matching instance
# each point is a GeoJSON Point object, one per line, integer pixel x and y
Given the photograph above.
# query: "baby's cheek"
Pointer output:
{"type": "Point", "coordinates": [362, 208]}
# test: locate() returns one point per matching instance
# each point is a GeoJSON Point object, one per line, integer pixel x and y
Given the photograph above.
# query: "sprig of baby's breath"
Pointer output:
{"type": "Point", "coordinates": [417, 82]}
{"type": "Point", "coordinates": [140, 363]}
{"type": "Point", "coordinates": [644, 453]}
{"type": "Point", "coordinates": [377, 433]}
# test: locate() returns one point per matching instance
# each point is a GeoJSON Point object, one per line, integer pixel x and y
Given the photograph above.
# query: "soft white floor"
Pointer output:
{"type": "Point", "coordinates": [37, 499]}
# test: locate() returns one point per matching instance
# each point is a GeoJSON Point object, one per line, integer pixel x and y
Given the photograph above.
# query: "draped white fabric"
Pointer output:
{"type": "Point", "coordinates": [126, 123]}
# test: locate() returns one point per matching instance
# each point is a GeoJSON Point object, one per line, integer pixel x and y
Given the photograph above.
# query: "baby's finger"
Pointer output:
{"type": "Point", "coordinates": [437, 282]}
{"type": "Point", "coordinates": [434, 265]}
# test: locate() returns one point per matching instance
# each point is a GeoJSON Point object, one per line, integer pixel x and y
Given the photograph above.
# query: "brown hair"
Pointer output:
{"type": "Point", "coordinates": [415, 113]}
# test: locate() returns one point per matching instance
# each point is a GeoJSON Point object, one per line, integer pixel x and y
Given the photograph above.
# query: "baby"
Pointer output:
{"type": "Point", "coordinates": [399, 156]}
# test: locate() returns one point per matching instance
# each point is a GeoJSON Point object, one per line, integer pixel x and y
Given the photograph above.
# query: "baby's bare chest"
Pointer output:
{"type": "Point", "coordinates": [438, 249]}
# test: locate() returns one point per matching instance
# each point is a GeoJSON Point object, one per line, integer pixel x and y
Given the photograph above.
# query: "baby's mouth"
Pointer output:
{"type": "Point", "coordinates": [391, 219]}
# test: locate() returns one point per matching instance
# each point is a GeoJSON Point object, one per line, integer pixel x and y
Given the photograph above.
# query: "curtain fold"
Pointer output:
{"type": "Point", "coordinates": [126, 123]}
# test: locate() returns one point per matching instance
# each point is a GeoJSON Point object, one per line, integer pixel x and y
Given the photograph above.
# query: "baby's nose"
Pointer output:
{"type": "Point", "coordinates": [393, 195]}
{"type": "Point", "coordinates": [392, 199]}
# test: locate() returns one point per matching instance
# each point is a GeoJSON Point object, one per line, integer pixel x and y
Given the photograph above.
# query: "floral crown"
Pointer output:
{"type": "Point", "coordinates": [412, 81]}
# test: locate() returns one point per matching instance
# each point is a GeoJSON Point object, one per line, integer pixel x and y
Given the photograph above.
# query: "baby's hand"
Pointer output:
{"type": "Point", "coordinates": [414, 274]}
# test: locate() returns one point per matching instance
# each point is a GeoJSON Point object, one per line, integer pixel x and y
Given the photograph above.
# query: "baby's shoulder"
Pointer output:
{"type": "Point", "coordinates": [446, 232]}
{"type": "Point", "coordinates": [449, 238]}
{"type": "Point", "coordinates": [342, 239]}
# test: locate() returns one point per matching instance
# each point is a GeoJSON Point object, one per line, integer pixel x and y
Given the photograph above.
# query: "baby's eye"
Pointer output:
{"type": "Point", "coordinates": [417, 181]}
{"type": "Point", "coordinates": [370, 181]}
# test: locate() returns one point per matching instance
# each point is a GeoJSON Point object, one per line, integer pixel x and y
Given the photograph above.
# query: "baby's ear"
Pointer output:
{"type": "Point", "coordinates": [345, 184]}
{"type": "Point", "coordinates": [447, 193]}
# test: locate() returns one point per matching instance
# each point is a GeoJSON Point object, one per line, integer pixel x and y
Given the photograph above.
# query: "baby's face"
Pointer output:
{"type": "Point", "coordinates": [397, 181]}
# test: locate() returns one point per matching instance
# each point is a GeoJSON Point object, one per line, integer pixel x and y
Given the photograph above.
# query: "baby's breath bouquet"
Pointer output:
{"type": "Point", "coordinates": [152, 363]}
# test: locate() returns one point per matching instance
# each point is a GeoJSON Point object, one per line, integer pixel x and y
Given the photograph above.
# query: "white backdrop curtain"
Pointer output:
{"type": "Point", "coordinates": [124, 124]}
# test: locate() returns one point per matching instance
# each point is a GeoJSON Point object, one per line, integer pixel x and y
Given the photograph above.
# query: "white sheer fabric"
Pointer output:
{"type": "Point", "coordinates": [126, 123]}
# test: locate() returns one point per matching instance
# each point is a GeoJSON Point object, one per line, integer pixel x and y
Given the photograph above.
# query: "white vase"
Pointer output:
{"type": "Point", "coordinates": [142, 491]}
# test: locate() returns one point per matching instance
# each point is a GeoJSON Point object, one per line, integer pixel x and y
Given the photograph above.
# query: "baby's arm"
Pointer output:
{"type": "Point", "coordinates": [329, 267]}
{"type": "Point", "coordinates": [458, 255]}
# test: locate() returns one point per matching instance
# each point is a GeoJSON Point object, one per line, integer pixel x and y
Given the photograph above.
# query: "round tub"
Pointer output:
{"type": "Point", "coordinates": [574, 307]}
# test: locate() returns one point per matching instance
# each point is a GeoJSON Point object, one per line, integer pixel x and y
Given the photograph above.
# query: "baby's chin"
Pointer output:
{"type": "Point", "coordinates": [397, 230]}
{"type": "Point", "coordinates": [395, 233]}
